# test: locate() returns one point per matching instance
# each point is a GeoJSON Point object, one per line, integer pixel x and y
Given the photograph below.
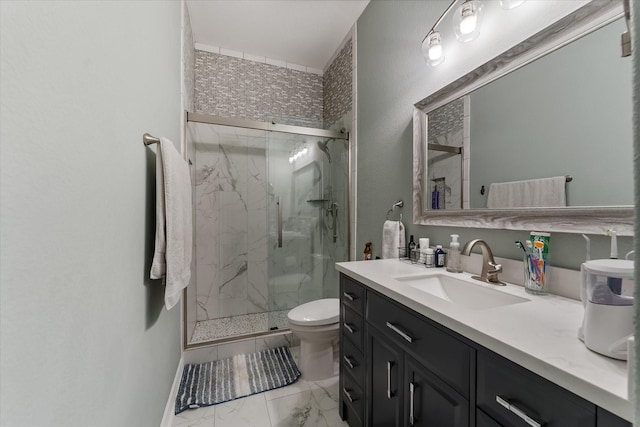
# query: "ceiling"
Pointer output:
{"type": "Point", "coordinates": [303, 32]}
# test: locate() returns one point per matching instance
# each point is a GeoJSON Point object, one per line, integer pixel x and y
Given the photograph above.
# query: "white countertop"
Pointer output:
{"type": "Point", "coordinates": [540, 334]}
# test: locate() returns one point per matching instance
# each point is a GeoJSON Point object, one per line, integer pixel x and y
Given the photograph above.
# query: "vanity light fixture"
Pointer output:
{"type": "Point", "coordinates": [466, 20]}
{"type": "Point", "coordinates": [466, 24]}
{"type": "Point", "coordinates": [433, 48]}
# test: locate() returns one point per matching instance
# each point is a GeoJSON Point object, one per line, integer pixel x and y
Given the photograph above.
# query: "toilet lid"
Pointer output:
{"type": "Point", "coordinates": [320, 312]}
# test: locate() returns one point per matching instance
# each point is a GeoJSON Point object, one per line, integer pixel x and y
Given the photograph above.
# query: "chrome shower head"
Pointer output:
{"type": "Point", "coordinates": [322, 145]}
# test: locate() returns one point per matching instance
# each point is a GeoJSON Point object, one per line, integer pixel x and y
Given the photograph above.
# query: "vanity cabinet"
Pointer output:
{"type": "Point", "coordinates": [352, 361]}
{"type": "Point", "coordinates": [399, 368]}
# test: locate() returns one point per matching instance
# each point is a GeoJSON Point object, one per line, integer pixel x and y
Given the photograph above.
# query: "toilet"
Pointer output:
{"type": "Point", "coordinates": [316, 324]}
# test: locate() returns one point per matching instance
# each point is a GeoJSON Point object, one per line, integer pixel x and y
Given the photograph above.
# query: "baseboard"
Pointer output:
{"type": "Point", "coordinates": [167, 417]}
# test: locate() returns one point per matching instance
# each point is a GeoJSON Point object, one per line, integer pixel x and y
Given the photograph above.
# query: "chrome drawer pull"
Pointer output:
{"type": "Point", "coordinates": [347, 395]}
{"type": "Point", "coordinates": [349, 328]}
{"type": "Point", "coordinates": [389, 394]}
{"type": "Point", "coordinates": [519, 412]}
{"type": "Point", "coordinates": [395, 329]}
{"type": "Point", "coordinates": [348, 361]}
{"type": "Point", "coordinates": [411, 390]}
{"type": "Point", "coordinates": [349, 296]}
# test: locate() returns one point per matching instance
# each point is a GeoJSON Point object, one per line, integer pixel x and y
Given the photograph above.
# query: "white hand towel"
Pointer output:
{"type": "Point", "coordinates": [544, 192]}
{"type": "Point", "coordinates": [393, 238]}
{"type": "Point", "coordinates": [174, 233]}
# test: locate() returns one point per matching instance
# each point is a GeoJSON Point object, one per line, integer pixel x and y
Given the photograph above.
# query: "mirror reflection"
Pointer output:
{"type": "Point", "coordinates": [568, 113]}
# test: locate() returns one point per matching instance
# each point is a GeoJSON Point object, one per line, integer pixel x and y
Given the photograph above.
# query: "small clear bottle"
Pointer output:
{"type": "Point", "coordinates": [411, 249]}
{"type": "Point", "coordinates": [454, 260]}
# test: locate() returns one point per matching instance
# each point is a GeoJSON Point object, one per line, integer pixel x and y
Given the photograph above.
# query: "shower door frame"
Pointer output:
{"type": "Point", "coordinates": [266, 126]}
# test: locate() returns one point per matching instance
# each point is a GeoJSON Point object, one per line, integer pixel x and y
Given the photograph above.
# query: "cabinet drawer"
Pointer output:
{"type": "Point", "coordinates": [441, 353]}
{"type": "Point", "coordinates": [353, 327]}
{"type": "Point", "coordinates": [607, 419]}
{"type": "Point", "coordinates": [353, 398]}
{"type": "Point", "coordinates": [352, 294]}
{"type": "Point", "coordinates": [353, 362]}
{"type": "Point", "coordinates": [484, 420]}
{"type": "Point", "coordinates": [509, 393]}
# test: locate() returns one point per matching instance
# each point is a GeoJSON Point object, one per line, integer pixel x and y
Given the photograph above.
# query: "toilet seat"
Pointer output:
{"type": "Point", "coordinates": [315, 313]}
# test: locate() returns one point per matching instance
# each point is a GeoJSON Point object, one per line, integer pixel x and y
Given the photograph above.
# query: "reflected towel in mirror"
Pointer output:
{"type": "Point", "coordinates": [544, 192]}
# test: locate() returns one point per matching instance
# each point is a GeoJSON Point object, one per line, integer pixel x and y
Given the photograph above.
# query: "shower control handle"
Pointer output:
{"type": "Point", "coordinates": [279, 205]}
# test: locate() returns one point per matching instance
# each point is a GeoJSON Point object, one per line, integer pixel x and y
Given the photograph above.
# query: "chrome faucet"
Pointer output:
{"type": "Point", "coordinates": [490, 269]}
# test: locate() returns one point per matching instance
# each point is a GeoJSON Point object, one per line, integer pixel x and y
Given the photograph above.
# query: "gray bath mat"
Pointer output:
{"type": "Point", "coordinates": [207, 384]}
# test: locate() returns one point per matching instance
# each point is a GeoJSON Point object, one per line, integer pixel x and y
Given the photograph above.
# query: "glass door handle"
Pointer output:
{"type": "Point", "coordinates": [279, 205]}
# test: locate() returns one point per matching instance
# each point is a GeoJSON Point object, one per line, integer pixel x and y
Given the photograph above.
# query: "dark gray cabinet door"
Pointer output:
{"type": "Point", "coordinates": [385, 388]}
{"type": "Point", "coordinates": [431, 402]}
{"type": "Point", "coordinates": [607, 419]}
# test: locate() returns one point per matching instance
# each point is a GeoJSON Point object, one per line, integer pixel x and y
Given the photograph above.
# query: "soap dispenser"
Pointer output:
{"type": "Point", "coordinates": [454, 260]}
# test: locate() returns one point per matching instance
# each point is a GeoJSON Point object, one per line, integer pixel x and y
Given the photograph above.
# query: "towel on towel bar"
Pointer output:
{"type": "Point", "coordinates": [174, 233]}
{"type": "Point", "coordinates": [544, 192]}
{"type": "Point", "coordinates": [393, 238]}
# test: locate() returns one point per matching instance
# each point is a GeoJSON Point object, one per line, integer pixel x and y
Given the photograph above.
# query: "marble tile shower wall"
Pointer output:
{"type": "Point", "coordinates": [231, 255]}
{"type": "Point", "coordinates": [227, 86]}
{"type": "Point", "coordinates": [338, 86]}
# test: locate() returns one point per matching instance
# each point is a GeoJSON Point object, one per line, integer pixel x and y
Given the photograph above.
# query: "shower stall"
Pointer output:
{"type": "Point", "coordinates": [270, 220]}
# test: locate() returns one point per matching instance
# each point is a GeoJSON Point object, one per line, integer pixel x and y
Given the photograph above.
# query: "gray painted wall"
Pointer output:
{"type": "Point", "coordinates": [568, 113]}
{"type": "Point", "coordinates": [392, 76]}
{"type": "Point", "coordinates": [84, 338]}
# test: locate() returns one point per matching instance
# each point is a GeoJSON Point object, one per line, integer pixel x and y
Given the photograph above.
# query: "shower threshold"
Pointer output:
{"type": "Point", "coordinates": [238, 326]}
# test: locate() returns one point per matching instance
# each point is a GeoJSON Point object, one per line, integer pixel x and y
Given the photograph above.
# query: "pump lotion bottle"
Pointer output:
{"type": "Point", "coordinates": [454, 260]}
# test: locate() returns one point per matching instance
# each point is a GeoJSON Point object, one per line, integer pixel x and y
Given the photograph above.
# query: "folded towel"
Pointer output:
{"type": "Point", "coordinates": [174, 233]}
{"type": "Point", "coordinates": [544, 192]}
{"type": "Point", "coordinates": [393, 238]}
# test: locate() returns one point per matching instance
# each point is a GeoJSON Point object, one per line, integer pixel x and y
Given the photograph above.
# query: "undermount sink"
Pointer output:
{"type": "Point", "coordinates": [461, 292]}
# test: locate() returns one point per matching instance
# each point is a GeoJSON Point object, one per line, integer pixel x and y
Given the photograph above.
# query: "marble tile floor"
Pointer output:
{"type": "Point", "coordinates": [301, 404]}
{"type": "Point", "coordinates": [206, 330]}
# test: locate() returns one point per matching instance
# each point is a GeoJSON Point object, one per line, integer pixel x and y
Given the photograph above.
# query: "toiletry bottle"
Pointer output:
{"type": "Point", "coordinates": [429, 258]}
{"type": "Point", "coordinates": [423, 244]}
{"type": "Point", "coordinates": [411, 247]}
{"type": "Point", "coordinates": [367, 251]}
{"type": "Point", "coordinates": [441, 256]}
{"type": "Point", "coordinates": [435, 198]}
{"type": "Point", "coordinates": [454, 261]}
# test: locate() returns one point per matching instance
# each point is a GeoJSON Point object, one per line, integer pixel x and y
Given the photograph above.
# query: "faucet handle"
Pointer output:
{"type": "Point", "coordinates": [497, 268]}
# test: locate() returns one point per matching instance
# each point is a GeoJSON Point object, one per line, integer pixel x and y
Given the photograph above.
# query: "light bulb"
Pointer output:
{"type": "Point", "coordinates": [432, 49]}
{"type": "Point", "coordinates": [466, 20]}
{"type": "Point", "coordinates": [305, 150]}
{"type": "Point", "coordinates": [468, 23]}
{"type": "Point", "coordinates": [435, 52]}
{"type": "Point", "coordinates": [290, 159]}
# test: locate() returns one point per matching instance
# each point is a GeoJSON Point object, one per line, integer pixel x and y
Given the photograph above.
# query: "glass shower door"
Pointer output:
{"type": "Point", "coordinates": [304, 217]}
